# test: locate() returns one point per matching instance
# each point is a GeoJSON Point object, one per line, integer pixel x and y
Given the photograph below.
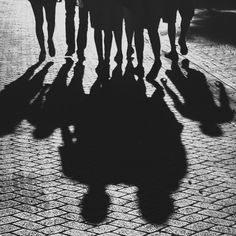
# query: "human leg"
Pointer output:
{"type": "Point", "coordinates": [107, 45]}
{"type": "Point", "coordinates": [70, 26]}
{"type": "Point", "coordinates": [139, 46]}
{"type": "Point", "coordinates": [129, 30]}
{"type": "Point", "coordinates": [186, 11]}
{"type": "Point", "coordinates": [99, 46]}
{"type": "Point", "coordinates": [82, 32]}
{"type": "Point", "coordinates": [50, 10]}
{"type": "Point", "coordinates": [118, 39]}
{"type": "Point", "coordinates": [155, 44]}
{"type": "Point", "coordinates": [38, 15]}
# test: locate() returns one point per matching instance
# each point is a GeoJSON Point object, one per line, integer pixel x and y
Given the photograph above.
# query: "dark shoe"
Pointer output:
{"type": "Point", "coordinates": [130, 52]}
{"type": "Point", "coordinates": [81, 56]}
{"type": "Point", "coordinates": [51, 48]}
{"type": "Point", "coordinates": [69, 52]}
{"type": "Point", "coordinates": [118, 58]}
{"type": "Point", "coordinates": [139, 71]}
{"type": "Point", "coordinates": [173, 55]}
{"type": "Point", "coordinates": [99, 67]}
{"type": "Point", "coordinates": [154, 71]}
{"type": "Point", "coordinates": [183, 47]}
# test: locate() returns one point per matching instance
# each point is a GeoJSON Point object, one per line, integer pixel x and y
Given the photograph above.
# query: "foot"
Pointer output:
{"type": "Point", "coordinates": [130, 52]}
{"type": "Point", "coordinates": [81, 56]}
{"type": "Point", "coordinates": [51, 48]}
{"type": "Point", "coordinates": [99, 66]}
{"type": "Point", "coordinates": [183, 47]}
{"type": "Point", "coordinates": [139, 70]}
{"type": "Point", "coordinates": [173, 55]}
{"type": "Point", "coordinates": [154, 71]}
{"type": "Point", "coordinates": [70, 52]}
{"type": "Point", "coordinates": [118, 58]}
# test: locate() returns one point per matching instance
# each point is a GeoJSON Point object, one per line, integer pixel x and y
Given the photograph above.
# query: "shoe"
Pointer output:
{"type": "Point", "coordinates": [118, 58]}
{"type": "Point", "coordinates": [69, 52]}
{"type": "Point", "coordinates": [51, 48]}
{"type": "Point", "coordinates": [81, 56]}
{"type": "Point", "coordinates": [139, 70]}
{"type": "Point", "coordinates": [154, 71]}
{"type": "Point", "coordinates": [173, 55]}
{"type": "Point", "coordinates": [183, 47]}
{"type": "Point", "coordinates": [130, 52]}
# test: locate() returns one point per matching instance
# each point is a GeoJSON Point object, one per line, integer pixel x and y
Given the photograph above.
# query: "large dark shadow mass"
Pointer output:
{"type": "Point", "coordinates": [15, 99]}
{"type": "Point", "coordinates": [119, 135]}
{"type": "Point", "coordinates": [198, 103]}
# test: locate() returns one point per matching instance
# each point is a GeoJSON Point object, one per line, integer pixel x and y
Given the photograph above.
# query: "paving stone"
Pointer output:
{"type": "Point", "coordinates": [223, 229]}
{"type": "Point", "coordinates": [199, 226]}
{"type": "Point", "coordinates": [28, 225]}
{"type": "Point", "coordinates": [177, 231]}
{"type": "Point", "coordinates": [77, 225]}
{"type": "Point", "coordinates": [150, 228]}
{"type": "Point", "coordinates": [7, 228]}
{"type": "Point", "coordinates": [52, 229]}
{"type": "Point", "coordinates": [213, 213]}
{"type": "Point", "coordinates": [129, 232]}
{"type": "Point", "coordinates": [26, 232]}
{"type": "Point", "coordinates": [125, 224]}
{"type": "Point", "coordinates": [74, 232]}
{"type": "Point", "coordinates": [206, 233]}
{"type": "Point", "coordinates": [102, 229]}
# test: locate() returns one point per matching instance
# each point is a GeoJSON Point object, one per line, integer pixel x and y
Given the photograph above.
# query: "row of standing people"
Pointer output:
{"type": "Point", "coordinates": [107, 17]}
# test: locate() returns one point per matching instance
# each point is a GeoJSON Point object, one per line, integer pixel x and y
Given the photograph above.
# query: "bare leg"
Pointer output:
{"type": "Point", "coordinates": [185, 23]}
{"type": "Point", "coordinates": [155, 43]}
{"type": "Point", "coordinates": [139, 46]}
{"type": "Point", "coordinates": [38, 14]}
{"type": "Point", "coordinates": [70, 26]}
{"type": "Point", "coordinates": [82, 32]}
{"type": "Point", "coordinates": [50, 9]}
{"type": "Point", "coordinates": [172, 35]}
{"type": "Point", "coordinates": [129, 30]}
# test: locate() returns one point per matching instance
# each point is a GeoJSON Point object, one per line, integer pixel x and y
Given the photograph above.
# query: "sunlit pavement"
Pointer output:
{"type": "Point", "coordinates": [37, 199]}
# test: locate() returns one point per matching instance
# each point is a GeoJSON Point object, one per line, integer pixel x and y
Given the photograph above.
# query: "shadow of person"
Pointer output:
{"type": "Point", "coordinates": [122, 136]}
{"type": "Point", "coordinates": [16, 97]}
{"type": "Point", "coordinates": [49, 110]}
{"type": "Point", "coordinates": [198, 99]}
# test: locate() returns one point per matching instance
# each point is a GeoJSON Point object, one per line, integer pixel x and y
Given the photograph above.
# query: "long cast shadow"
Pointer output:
{"type": "Point", "coordinates": [17, 96]}
{"type": "Point", "coordinates": [49, 109]}
{"type": "Point", "coordinates": [122, 136]}
{"type": "Point", "coordinates": [198, 104]}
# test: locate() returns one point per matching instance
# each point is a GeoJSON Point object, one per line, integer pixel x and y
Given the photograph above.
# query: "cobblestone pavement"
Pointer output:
{"type": "Point", "coordinates": [37, 199]}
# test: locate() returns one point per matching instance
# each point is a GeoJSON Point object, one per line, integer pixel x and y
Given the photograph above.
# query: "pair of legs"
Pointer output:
{"type": "Point", "coordinates": [50, 10]}
{"type": "Point", "coordinates": [70, 28]}
{"type": "Point", "coordinates": [134, 30]}
{"type": "Point", "coordinates": [103, 49]}
{"type": "Point", "coordinates": [186, 11]}
{"type": "Point", "coordinates": [156, 47]}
